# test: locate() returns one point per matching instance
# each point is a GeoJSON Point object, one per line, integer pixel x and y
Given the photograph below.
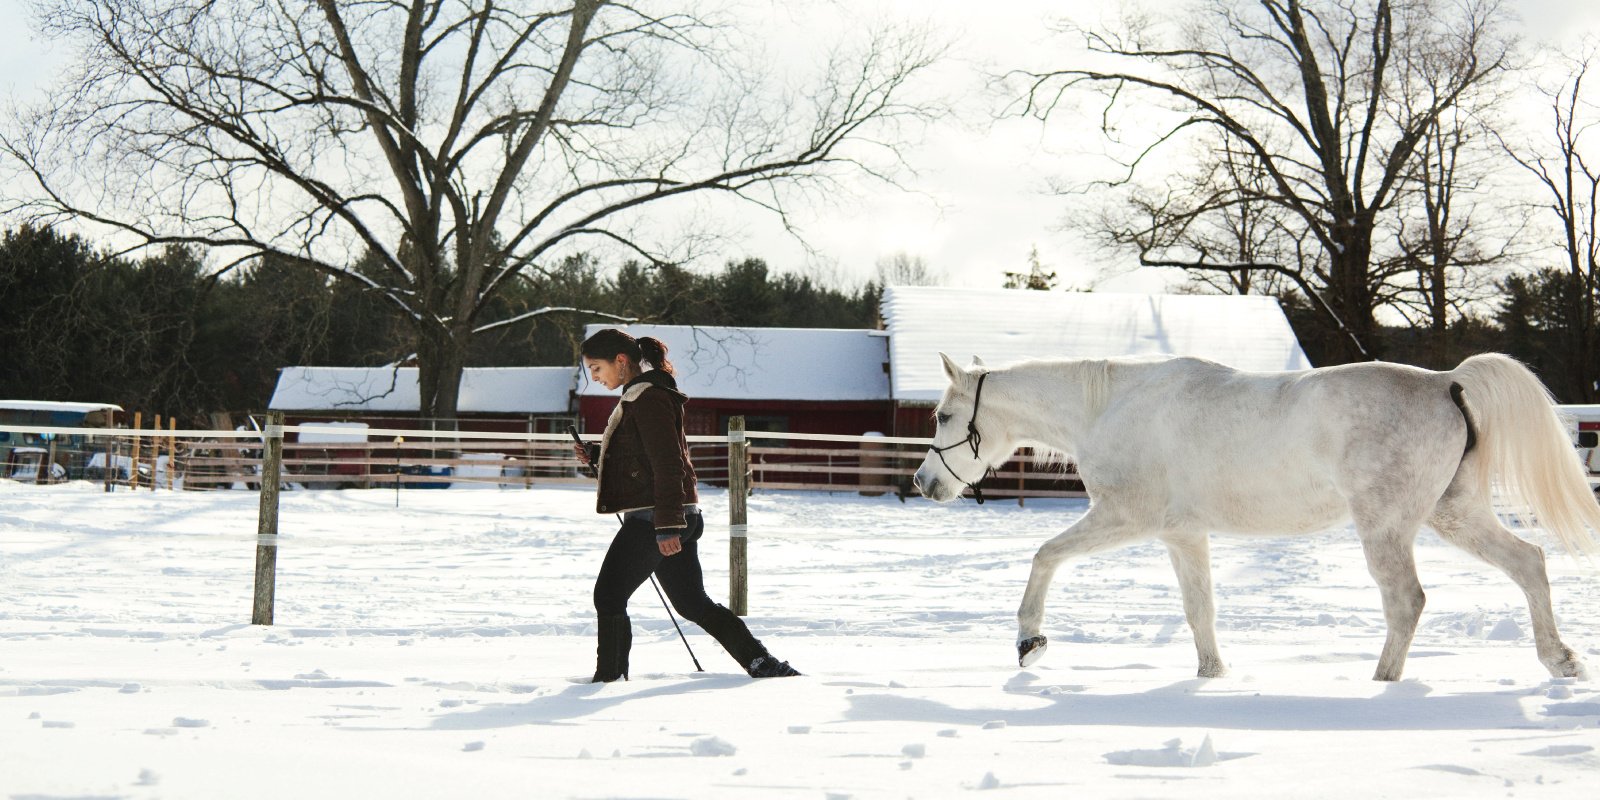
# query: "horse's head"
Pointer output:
{"type": "Point", "coordinates": [961, 455]}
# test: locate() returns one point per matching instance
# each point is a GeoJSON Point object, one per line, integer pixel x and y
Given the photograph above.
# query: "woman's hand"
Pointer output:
{"type": "Point", "coordinates": [583, 454]}
{"type": "Point", "coordinates": [671, 546]}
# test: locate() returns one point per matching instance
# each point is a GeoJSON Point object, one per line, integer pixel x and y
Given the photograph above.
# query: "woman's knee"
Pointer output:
{"type": "Point", "coordinates": [608, 602]}
{"type": "Point", "coordinates": [694, 609]}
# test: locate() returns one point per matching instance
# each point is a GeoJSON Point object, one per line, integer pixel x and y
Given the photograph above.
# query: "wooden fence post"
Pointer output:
{"type": "Point", "coordinates": [43, 476]}
{"type": "Point", "coordinates": [172, 454]}
{"type": "Point", "coordinates": [155, 456]}
{"type": "Point", "coordinates": [133, 475]}
{"type": "Point", "coordinates": [738, 541]}
{"type": "Point", "coordinates": [267, 522]}
{"type": "Point", "coordinates": [113, 452]}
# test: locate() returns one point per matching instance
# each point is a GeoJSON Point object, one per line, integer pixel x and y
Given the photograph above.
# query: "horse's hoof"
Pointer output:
{"type": "Point", "coordinates": [1569, 667]}
{"type": "Point", "coordinates": [1030, 650]}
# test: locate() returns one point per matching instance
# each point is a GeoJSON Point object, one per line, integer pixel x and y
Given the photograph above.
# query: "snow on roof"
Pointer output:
{"type": "Point", "coordinates": [1247, 332]}
{"type": "Point", "coordinates": [767, 363]}
{"type": "Point", "coordinates": [55, 405]}
{"type": "Point", "coordinates": [499, 390]}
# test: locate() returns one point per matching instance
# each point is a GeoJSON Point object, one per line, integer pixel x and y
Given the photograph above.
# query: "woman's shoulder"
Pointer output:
{"type": "Point", "coordinates": [653, 391]}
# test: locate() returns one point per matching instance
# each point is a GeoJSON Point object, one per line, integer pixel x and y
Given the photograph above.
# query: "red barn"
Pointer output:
{"type": "Point", "coordinates": [786, 380]}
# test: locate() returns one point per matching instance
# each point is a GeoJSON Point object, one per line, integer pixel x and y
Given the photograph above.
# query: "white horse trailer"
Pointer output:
{"type": "Point", "coordinates": [1583, 422]}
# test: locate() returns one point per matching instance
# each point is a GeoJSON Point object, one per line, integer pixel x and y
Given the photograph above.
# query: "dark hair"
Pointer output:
{"type": "Point", "coordinates": [609, 343]}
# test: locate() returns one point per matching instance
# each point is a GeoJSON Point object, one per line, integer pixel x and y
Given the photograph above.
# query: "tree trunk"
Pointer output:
{"type": "Point", "coordinates": [1438, 307]}
{"type": "Point", "coordinates": [1349, 297]}
{"type": "Point", "coordinates": [441, 359]}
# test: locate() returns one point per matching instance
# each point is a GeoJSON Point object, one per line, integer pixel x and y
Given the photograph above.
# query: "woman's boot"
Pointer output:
{"type": "Point", "coordinates": [735, 637]}
{"type": "Point", "coordinates": [768, 666]}
{"type": "Point", "coordinates": [611, 656]}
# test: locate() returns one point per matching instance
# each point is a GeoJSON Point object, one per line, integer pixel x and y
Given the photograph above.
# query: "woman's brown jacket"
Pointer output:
{"type": "Point", "coordinates": [644, 457]}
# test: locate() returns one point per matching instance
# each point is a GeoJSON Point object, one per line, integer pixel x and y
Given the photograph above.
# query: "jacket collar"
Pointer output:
{"type": "Point", "coordinates": [649, 378]}
{"type": "Point", "coordinates": [631, 392]}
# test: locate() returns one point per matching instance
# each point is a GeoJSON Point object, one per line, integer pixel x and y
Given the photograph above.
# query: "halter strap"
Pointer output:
{"type": "Point", "coordinates": [974, 438]}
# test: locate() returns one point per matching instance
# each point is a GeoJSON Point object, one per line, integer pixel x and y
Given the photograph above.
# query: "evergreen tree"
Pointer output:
{"type": "Point", "coordinates": [1035, 278]}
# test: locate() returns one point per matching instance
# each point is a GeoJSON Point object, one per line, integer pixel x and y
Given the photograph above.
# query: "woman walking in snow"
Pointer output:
{"type": "Point", "coordinates": [646, 478]}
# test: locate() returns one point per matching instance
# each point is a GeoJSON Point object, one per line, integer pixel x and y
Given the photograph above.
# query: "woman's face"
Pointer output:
{"type": "Point", "coordinates": [609, 373]}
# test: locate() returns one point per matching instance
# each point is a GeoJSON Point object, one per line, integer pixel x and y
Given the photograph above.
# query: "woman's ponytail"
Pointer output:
{"type": "Point", "coordinates": [655, 352]}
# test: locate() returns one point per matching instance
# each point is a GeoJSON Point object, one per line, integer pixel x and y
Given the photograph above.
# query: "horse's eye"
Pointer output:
{"type": "Point", "coordinates": [943, 418]}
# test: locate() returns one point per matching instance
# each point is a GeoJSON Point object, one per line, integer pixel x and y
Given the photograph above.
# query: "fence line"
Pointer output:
{"type": "Point", "coordinates": [220, 458]}
{"type": "Point", "coordinates": [262, 458]}
{"type": "Point", "coordinates": [426, 433]}
{"type": "Point", "coordinates": [876, 466]}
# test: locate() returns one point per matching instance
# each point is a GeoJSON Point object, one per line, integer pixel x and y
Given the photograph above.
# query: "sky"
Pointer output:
{"type": "Point", "coordinates": [977, 197]}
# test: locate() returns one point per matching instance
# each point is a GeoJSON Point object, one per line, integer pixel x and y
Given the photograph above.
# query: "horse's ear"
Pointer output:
{"type": "Point", "coordinates": [977, 362]}
{"type": "Point", "coordinates": [951, 371]}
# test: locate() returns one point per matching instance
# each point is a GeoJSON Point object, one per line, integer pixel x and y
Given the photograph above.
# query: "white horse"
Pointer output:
{"type": "Point", "coordinates": [1177, 448]}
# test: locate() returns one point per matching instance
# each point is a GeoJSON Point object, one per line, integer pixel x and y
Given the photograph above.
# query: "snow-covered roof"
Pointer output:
{"type": "Point", "coordinates": [55, 405]}
{"type": "Point", "coordinates": [487, 390]}
{"type": "Point", "coordinates": [767, 363]}
{"type": "Point", "coordinates": [1248, 332]}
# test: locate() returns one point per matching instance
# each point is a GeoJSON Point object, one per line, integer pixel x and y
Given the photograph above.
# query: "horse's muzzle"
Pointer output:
{"type": "Point", "coordinates": [928, 485]}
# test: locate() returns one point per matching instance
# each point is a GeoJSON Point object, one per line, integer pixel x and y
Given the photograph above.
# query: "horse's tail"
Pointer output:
{"type": "Point", "coordinates": [1524, 446]}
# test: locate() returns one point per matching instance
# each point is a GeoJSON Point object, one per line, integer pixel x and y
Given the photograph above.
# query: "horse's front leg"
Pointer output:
{"type": "Point", "coordinates": [1191, 560]}
{"type": "Point", "coordinates": [1102, 528]}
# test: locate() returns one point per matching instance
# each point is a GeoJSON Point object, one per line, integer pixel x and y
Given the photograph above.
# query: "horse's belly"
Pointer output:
{"type": "Point", "coordinates": [1270, 510]}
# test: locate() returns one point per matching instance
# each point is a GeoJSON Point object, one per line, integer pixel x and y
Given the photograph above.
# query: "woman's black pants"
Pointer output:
{"type": "Point", "coordinates": [633, 557]}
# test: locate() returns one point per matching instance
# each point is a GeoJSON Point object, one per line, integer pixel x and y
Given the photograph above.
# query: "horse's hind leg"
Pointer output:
{"type": "Point", "coordinates": [1390, 558]}
{"type": "Point", "coordinates": [1467, 521]}
{"type": "Point", "coordinates": [1191, 559]}
{"type": "Point", "coordinates": [1099, 529]}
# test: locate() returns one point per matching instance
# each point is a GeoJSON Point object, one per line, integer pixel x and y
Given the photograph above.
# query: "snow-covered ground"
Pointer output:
{"type": "Point", "coordinates": [437, 649]}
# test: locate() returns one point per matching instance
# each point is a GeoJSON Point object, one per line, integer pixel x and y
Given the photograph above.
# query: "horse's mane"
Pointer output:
{"type": "Point", "coordinates": [1094, 378]}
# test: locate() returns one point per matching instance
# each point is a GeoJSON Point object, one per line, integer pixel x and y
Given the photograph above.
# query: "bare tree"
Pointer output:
{"type": "Point", "coordinates": [1209, 220]}
{"type": "Point", "coordinates": [1453, 231]}
{"type": "Point", "coordinates": [1312, 94]}
{"type": "Point", "coordinates": [905, 269]}
{"type": "Point", "coordinates": [1571, 184]}
{"type": "Point", "coordinates": [462, 143]}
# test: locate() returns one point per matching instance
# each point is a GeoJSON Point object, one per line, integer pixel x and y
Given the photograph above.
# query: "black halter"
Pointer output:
{"type": "Point", "coordinates": [973, 439]}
